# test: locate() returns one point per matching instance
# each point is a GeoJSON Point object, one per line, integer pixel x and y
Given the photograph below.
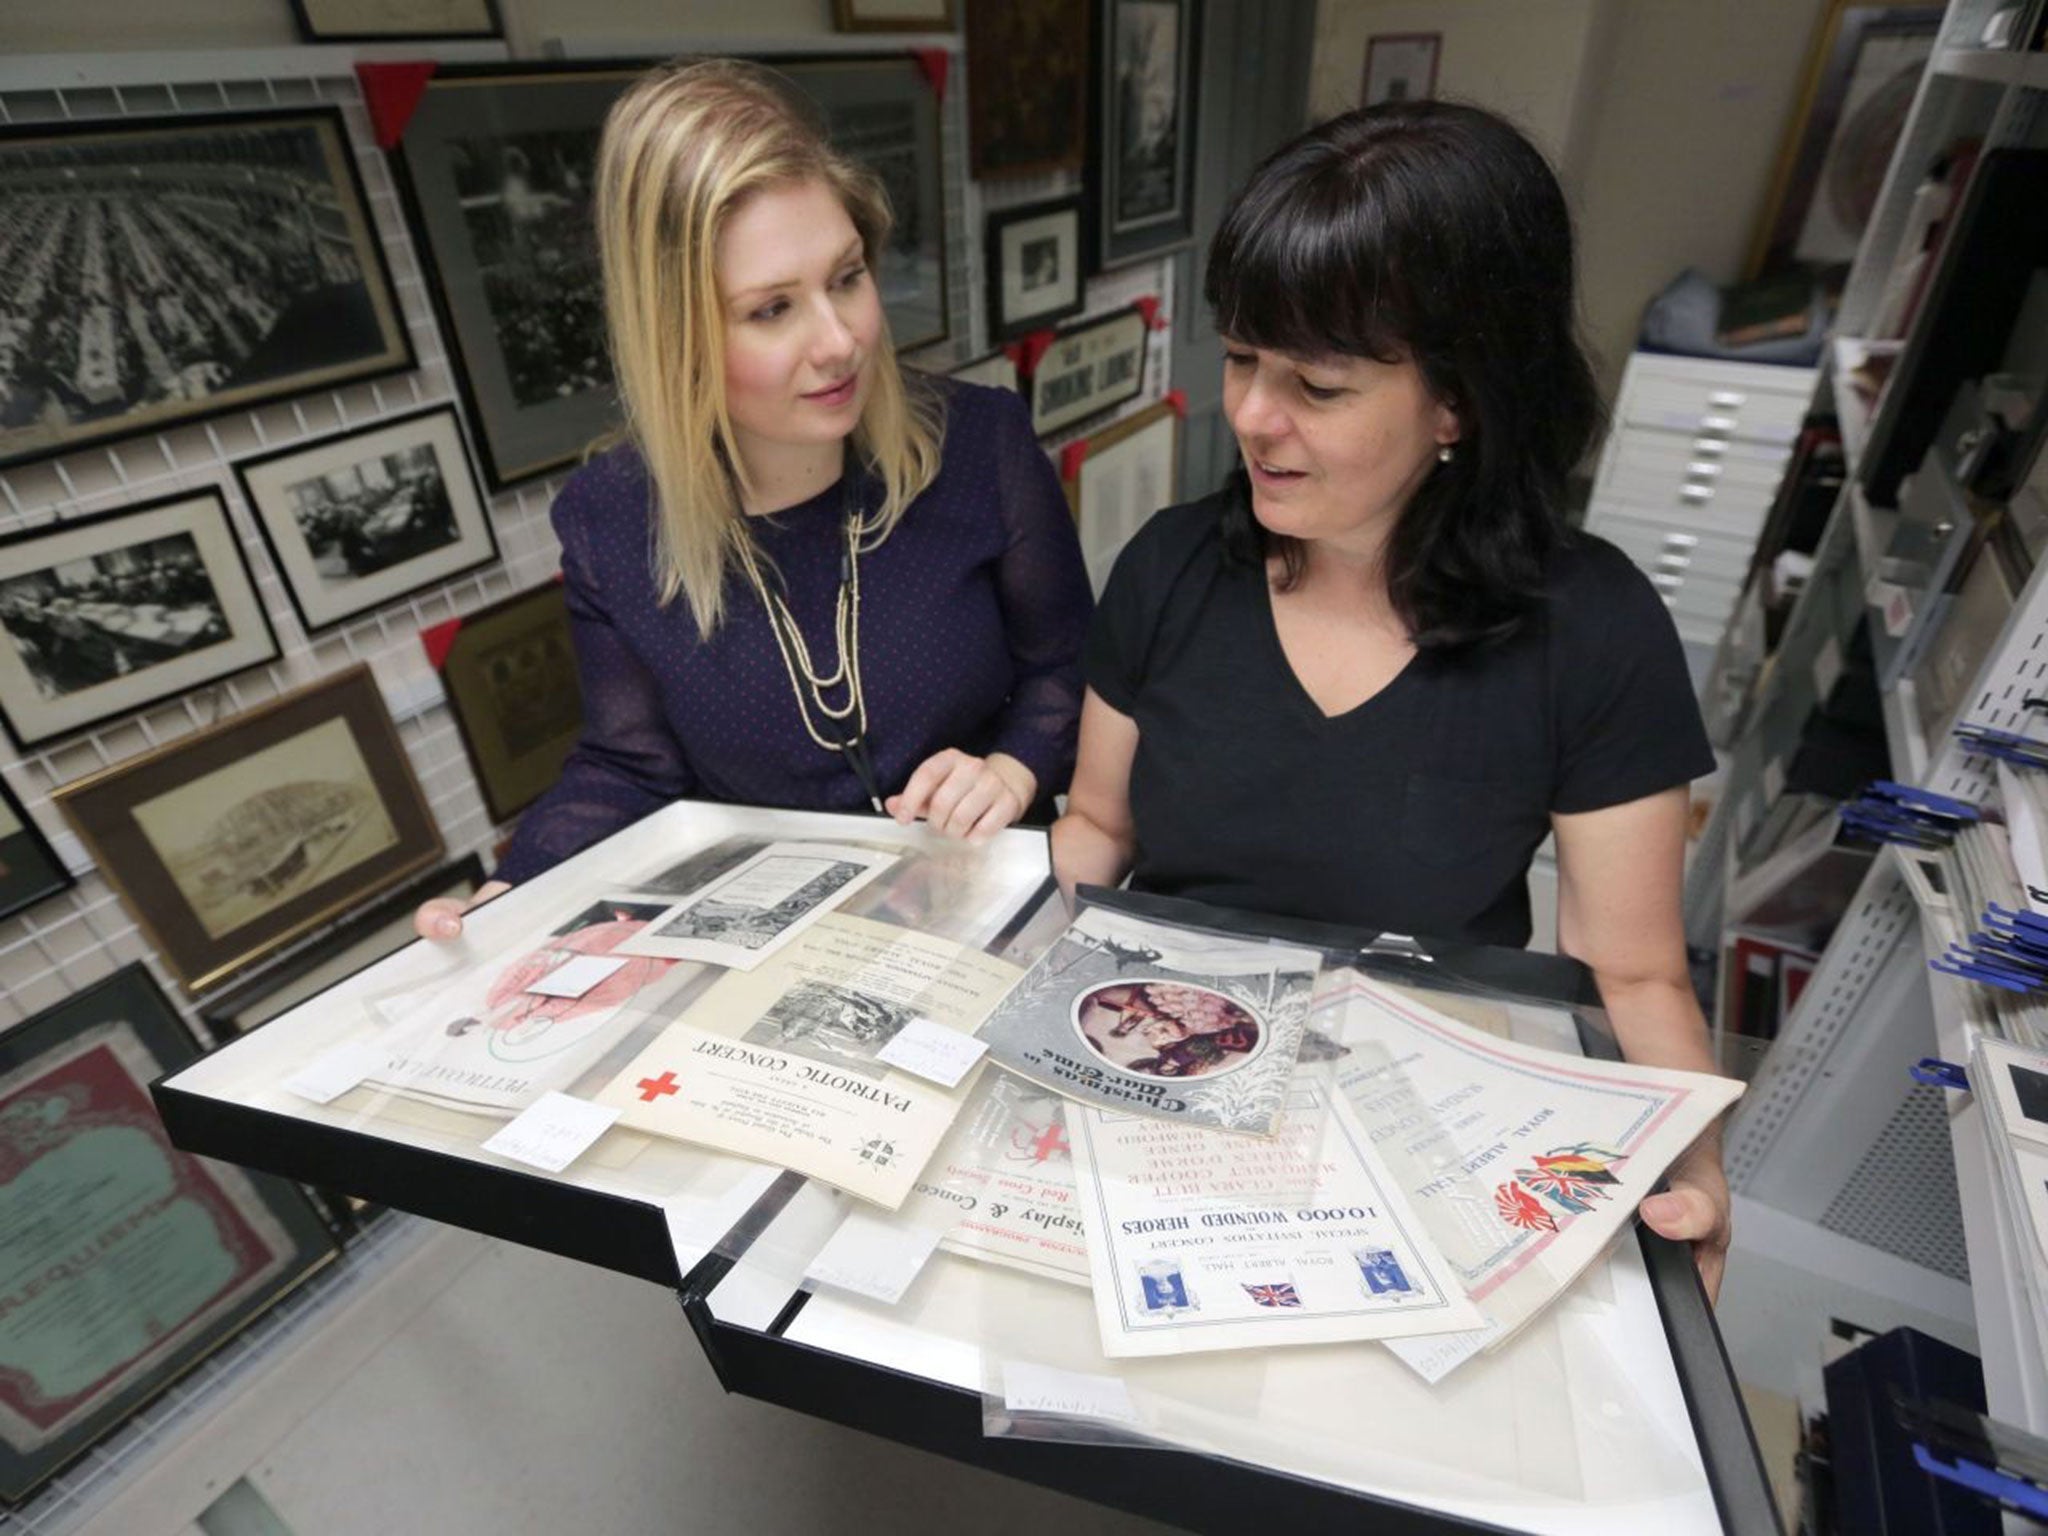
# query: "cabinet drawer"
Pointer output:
{"type": "Point", "coordinates": [1733, 518]}
{"type": "Point", "coordinates": [1697, 597]}
{"type": "Point", "coordinates": [1656, 549]}
{"type": "Point", "coordinates": [1713, 413]}
{"type": "Point", "coordinates": [1707, 460]}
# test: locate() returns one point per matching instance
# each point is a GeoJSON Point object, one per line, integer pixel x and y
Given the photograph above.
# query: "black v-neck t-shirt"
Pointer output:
{"type": "Point", "coordinates": [1419, 810]}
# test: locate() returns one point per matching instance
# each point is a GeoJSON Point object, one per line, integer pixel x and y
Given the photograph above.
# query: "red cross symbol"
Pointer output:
{"type": "Point", "coordinates": [1050, 1143]}
{"type": "Point", "coordinates": [652, 1088]}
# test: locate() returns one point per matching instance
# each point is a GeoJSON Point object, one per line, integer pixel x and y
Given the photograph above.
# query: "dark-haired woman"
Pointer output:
{"type": "Point", "coordinates": [1368, 678]}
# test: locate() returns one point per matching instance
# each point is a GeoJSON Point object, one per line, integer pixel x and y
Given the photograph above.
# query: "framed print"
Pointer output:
{"type": "Point", "coordinates": [1141, 142]}
{"type": "Point", "coordinates": [358, 521]}
{"type": "Point", "coordinates": [510, 675]}
{"type": "Point", "coordinates": [1094, 367]}
{"type": "Point", "coordinates": [372, 21]}
{"type": "Point", "coordinates": [1125, 475]}
{"type": "Point", "coordinates": [1034, 266]}
{"type": "Point", "coordinates": [30, 870]}
{"type": "Point", "coordinates": [227, 845]}
{"type": "Point", "coordinates": [131, 1260]}
{"type": "Point", "coordinates": [496, 171]}
{"type": "Point", "coordinates": [167, 269]}
{"type": "Point", "coordinates": [102, 615]}
{"type": "Point", "coordinates": [1860, 83]}
{"type": "Point", "coordinates": [893, 15]}
{"type": "Point", "coordinates": [1027, 87]}
{"type": "Point", "coordinates": [1399, 66]}
{"type": "Point", "coordinates": [355, 944]}
{"type": "Point", "coordinates": [996, 370]}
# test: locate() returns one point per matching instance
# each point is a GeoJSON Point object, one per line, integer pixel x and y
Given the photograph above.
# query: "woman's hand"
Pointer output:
{"type": "Point", "coordinates": [441, 918]}
{"type": "Point", "coordinates": [1695, 1210]}
{"type": "Point", "coordinates": [962, 795]}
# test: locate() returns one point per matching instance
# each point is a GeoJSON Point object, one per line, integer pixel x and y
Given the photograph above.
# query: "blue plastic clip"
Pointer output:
{"type": "Point", "coordinates": [1926, 800]}
{"type": "Point", "coordinates": [2028, 1498]}
{"type": "Point", "coordinates": [1936, 1073]}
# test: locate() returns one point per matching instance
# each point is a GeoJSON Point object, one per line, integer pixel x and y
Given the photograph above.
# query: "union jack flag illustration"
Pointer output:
{"type": "Point", "coordinates": [1519, 1208]}
{"type": "Point", "coordinates": [1593, 1165]}
{"type": "Point", "coordinates": [1281, 1294]}
{"type": "Point", "coordinates": [1566, 1190]}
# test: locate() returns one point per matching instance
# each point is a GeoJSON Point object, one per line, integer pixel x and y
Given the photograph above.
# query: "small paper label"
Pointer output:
{"type": "Point", "coordinates": [1895, 607]}
{"type": "Point", "coordinates": [932, 1051]}
{"type": "Point", "coordinates": [332, 1073]}
{"type": "Point", "coordinates": [873, 1255]}
{"type": "Point", "coordinates": [1827, 669]}
{"type": "Point", "coordinates": [552, 1132]}
{"type": "Point", "coordinates": [1043, 1389]}
{"type": "Point", "coordinates": [578, 976]}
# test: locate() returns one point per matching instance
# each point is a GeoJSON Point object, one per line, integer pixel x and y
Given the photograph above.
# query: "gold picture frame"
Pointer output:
{"type": "Point", "coordinates": [1117, 478]}
{"type": "Point", "coordinates": [227, 845]}
{"type": "Point", "coordinates": [510, 675]}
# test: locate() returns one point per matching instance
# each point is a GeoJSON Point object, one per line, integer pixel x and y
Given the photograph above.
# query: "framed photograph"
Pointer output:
{"type": "Point", "coordinates": [168, 269]}
{"type": "Point", "coordinates": [30, 870]}
{"type": "Point", "coordinates": [1034, 266]}
{"type": "Point", "coordinates": [358, 521]}
{"type": "Point", "coordinates": [893, 15]}
{"type": "Point", "coordinates": [376, 21]}
{"type": "Point", "coordinates": [496, 170]}
{"type": "Point", "coordinates": [102, 615]}
{"type": "Point", "coordinates": [227, 845]}
{"type": "Point", "coordinates": [510, 675]}
{"type": "Point", "coordinates": [1091, 368]}
{"type": "Point", "coordinates": [1027, 120]}
{"type": "Point", "coordinates": [1860, 82]}
{"type": "Point", "coordinates": [355, 944]}
{"type": "Point", "coordinates": [1399, 66]}
{"type": "Point", "coordinates": [996, 370]}
{"type": "Point", "coordinates": [1126, 474]}
{"type": "Point", "coordinates": [1141, 141]}
{"type": "Point", "coordinates": [133, 1261]}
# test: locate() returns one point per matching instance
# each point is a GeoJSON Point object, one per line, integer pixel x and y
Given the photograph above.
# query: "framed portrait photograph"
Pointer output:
{"type": "Point", "coordinates": [1090, 368]}
{"type": "Point", "coordinates": [1399, 66]}
{"type": "Point", "coordinates": [1027, 121]}
{"type": "Point", "coordinates": [161, 270]}
{"type": "Point", "coordinates": [227, 845]}
{"type": "Point", "coordinates": [102, 615]}
{"type": "Point", "coordinates": [133, 1261]}
{"type": "Point", "coordinates": [893, 15]}
{"type": "Point", "coordinates": [1860, 81]}
{"type": "Point", "coordinates": [373, 21]}
{"type": "Point", "coordinates": [1034, 266]}
{"type": "Point", "coordinates": [510, 675]}
{"type": "Point", "coordinates": [996, 370]}
{"type": "Point", "coordinates": [497, 169]}
{"type": "Point", "coordinates": [30, 870]}
{"type": "Point", "coordinates": [358, 521]}
{"type": "Point", "coordinates": [1141, 141]}
{"type": "Point", "coordinates": [1126, 474]}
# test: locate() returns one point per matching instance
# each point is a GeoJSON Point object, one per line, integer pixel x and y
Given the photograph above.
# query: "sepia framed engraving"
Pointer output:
{"type": "Point", "coordinates": [1027, 119]}
{"type": "Point", "coordinates": [378, 21]}
{"type": "Point", "coordinates": [1034, 266]}
{"type": "Point", "coordinates": [161, 270]}
{"type": "Point", "coordinates": [1124, 474]}
{"type": "Point", "coordinates": [510, 675]}
{"type": "Point", "coordinates": [1141, 136]}
{"type": "Point", "coordinates": [30, 870]}
{"type": "Point", "coordinates": [360, 520]}
{"type": "Point", "coordinates": [1090, 368]}
{"type": "Point", "coordinates": [131, 1261]}
{"type": "Point", "coordinates": [893, 15]}
{"type": "Point", "coordinates": [227, 845]}
{"type": "Point", "coordinates": [102, 615]}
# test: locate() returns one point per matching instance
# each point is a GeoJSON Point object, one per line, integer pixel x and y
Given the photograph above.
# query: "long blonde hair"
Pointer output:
{"type": "Point", "coordinates": [682, 149]}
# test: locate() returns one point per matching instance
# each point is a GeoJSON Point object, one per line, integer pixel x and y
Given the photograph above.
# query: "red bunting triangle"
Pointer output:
{"type": "Point", "coordinates": [1072, 457]}
{"type": "Point", "coordinates": [439, 640]}
{"type": "Point", "coordinates": [392, 93]}
{"type": "Point", "coordinates": [1027, 351]}
{"type": "Point", "coordinates": [935, 62]}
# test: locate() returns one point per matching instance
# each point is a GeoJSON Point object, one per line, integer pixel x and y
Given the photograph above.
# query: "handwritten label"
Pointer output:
{"type": "Point", "coordinates": [933, 1051]}
{"type": "Point", "coordinates": [873, 1255]}
{"type": "Point", "coordinates": [578, 976]}
{"type": "Point", "coordinates": [332, 1073]}
{"type": "Point", "coordinates": [552, 1132]}
{"type": "Point", "coordinates": [1031, 1388]}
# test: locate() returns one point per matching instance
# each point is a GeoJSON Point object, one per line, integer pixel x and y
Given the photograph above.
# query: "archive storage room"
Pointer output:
{"type": "Point", "coordinates": [992, 765]}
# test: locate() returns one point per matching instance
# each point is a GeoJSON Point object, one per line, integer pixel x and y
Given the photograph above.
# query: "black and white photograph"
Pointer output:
{"type": "Point", "coordinates": [357, 521]}
{"type": "Point", "coordinates": [1142, 143]}
{"type": "Point", "coordinates": [30, 870]}
{"type": "Point", "coordinates": [170, 269]}
{"type": "Point", "coordinates": [1399, 66]}
{"type": "Point", "coordinates": [1090, 368]}
{"type": "Point", "coordinates": [1034, 266]}
{"type": "Point", "coordinates": [102, 615]}
{"type": "Point", "coordinates": [839, 1026]}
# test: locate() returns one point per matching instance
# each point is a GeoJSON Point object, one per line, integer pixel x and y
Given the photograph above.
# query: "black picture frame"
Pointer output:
{"type": "Point", "coordinates": [1089, 371]}
{"type": "Point", "coordinates": [525, 329]}
{"type": "Point", "coordinates": [1142, 129]}
{"type": "Point", "coordinates": [1027, 119]}
{"type": "Point", "coordinates": [1035, 257]}
{"type": "Point", "coordinates": [314, 30]}
{"type": "Point", "coordinates": [210, 1248]}
{"type": "Point", "coordinates": [512, 686]}
{"type": "Point", "coordinates": [110, 652]}
{"type": "Point", "coordinates": [30, 870]}
{"type": "Point", "coordinates": [451, 503]}
{"type": "Point", "coordinates": [318, 310]}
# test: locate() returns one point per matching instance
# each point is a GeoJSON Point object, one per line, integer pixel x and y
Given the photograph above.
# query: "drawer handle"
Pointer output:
{"type": "Point", "coordinates": [1726, 399]}
{"type": "Point", "coordinates": [1709, 447]}
{"type": "Point", "coordinates": [1680, 540]}
{"type": "Point", "coordinates": [1696, 493]}
{"type": "Point", "coordinates": [1667, 581]}
{"type": "Point", "coordinates": [1698, 470]}
{"type": "Point", "coordinates": [1717, 424]}
{"type": "Point", "coordinates": [1674, 562]}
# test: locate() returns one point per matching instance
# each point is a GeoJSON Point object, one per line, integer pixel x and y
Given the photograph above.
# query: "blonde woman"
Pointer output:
{"type": "Point", "coordinates": [803, 578]}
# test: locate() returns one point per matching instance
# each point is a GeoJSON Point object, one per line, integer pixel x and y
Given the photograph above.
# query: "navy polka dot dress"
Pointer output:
{"type": "Point", "coordinates": [972, 618]}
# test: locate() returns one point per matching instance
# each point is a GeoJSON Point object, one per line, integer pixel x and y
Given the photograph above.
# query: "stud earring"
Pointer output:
{"type": "Point", "coordinates": [1443, 454]}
